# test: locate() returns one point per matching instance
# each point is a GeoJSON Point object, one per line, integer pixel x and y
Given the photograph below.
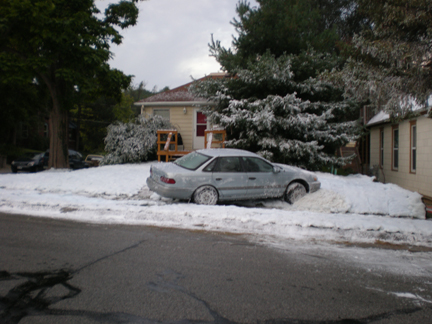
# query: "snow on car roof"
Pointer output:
{"type": "Point", "coordinates": [226, 152]}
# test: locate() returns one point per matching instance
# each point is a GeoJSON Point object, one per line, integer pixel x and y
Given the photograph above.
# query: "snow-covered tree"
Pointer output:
{"type": "Point", "coordinates": [275, 102]}
{"type": "Point", "coordinates": [134, 141]}
{"type": "Point", "coordinates": [391, 61]}
{"type": "Point", "coordinates": [273, 108]}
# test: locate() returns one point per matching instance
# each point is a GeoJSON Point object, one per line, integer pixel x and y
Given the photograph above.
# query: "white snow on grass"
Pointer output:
{"type": "Point", "coordinates": [353, 208]}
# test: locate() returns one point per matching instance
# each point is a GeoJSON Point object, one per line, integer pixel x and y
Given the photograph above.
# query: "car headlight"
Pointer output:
{"type": "Point", "coordinates": [13, 163]}
{"type": "Point", "coordinates": [31, 164]}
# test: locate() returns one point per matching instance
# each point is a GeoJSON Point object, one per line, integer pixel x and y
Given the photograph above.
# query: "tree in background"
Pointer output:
{"type": "Point", "coordinates": [134, 141]}
{"type": "Point", "coordinates": [290, 27]}
{"type": "Point", "coordinates": [21, 105]}
{"type": "Point", "coordinates": [65, 45]}
{"type": "Point", "coordinates": [391, 60]}
{"type": "Point", "coordinates": [92, 118]}
{"type": "Point", "coordinates": [275, 103]}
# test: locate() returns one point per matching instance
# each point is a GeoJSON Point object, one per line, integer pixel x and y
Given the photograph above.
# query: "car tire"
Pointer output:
{"type": "Point", "coordinates": [206, 195]}
{"type": "Point", "coordinates": [14, 170]}
{"type": "Point", "coordinates": [295, 192]}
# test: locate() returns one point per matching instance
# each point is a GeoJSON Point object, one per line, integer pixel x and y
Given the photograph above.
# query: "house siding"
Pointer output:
{"type": "Point", "coordinates": [421, 179]}
{"type": "Point", "coordinates": [181, 121]}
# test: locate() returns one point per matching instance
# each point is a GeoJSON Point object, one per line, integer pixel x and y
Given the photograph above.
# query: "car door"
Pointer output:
{"type": "Point", "coordinates": [263, 182]}
{"type": "Point", "coordinates": [230, 178]}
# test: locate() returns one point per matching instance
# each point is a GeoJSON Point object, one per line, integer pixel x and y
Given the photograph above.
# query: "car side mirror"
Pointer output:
{"type": "Point", "coordinates": [277, 169]}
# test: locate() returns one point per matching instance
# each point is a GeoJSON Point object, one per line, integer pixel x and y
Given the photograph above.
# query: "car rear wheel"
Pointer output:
{"type": "Point", "coordinates": [206, 195]}
{"type": "Point", "coordinates": [295, 192]}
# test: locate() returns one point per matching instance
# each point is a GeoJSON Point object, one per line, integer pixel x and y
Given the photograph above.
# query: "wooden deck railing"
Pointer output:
{"type": "Point", "coordinates": [165, 140]}
{"type": "Point", "coordinates": [214, 138]}
{"type": "Point", "coordinates": [167, 143]}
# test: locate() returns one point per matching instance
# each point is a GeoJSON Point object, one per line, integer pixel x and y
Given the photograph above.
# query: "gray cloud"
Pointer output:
{"type": "Point", "coordinates": [169, 44]}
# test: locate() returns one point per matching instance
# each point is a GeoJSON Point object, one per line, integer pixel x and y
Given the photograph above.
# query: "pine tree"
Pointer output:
{"type": "Point", "coordinates": [275, 102]}
{"type": "Point", "coordinates": [266, 110]}
{"type": "Point", "coordinates": [391, 61]}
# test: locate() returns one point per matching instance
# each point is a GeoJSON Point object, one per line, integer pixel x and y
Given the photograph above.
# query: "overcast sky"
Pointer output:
{"type": "Point", "coordinates": [169, 44]}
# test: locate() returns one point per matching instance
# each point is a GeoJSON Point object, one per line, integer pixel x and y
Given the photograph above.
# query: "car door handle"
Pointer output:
{"type": "Point", "coordinates": [218, 179]}
{"type": "Point", "coordinates": [252, 178]}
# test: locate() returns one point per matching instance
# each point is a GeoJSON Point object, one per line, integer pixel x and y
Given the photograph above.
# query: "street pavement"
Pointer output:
{"type": "Point", "coordinates": [55, 271]}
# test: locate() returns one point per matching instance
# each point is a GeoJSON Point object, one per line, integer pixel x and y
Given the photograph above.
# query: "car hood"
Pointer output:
{"type": "Point", "coordinates": [290, 168]}
{"type": "Point", "coordinates": [24, 159]}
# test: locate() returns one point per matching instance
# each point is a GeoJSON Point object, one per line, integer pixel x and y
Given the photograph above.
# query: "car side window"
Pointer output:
{"type": "Point", "coordinates": [228, 164]}
{"type": "Point", "coordinates": [210, 166]}
{"type": "Point", "coordinates": [253, 164]}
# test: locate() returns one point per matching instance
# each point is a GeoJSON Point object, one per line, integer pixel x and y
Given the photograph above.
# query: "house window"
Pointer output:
{"type": "Point", "coordinates": [395, 155]}
{"type": "Point", "coordinates": [413, 157]}
{"type": "Point", "coordinates": [381, 149]}
{"type": "Point", "coordinates": [201, 124]}
{"type": "Point", "coordinates": [165, 113]}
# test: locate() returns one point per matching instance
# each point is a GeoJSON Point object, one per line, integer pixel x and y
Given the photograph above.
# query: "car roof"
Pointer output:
{"type": "Point", "coordinates": [226, 152]}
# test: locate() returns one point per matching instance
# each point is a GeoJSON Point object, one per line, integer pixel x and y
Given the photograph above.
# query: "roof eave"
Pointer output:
{"type": "Point", "coordinates": [174, 103]}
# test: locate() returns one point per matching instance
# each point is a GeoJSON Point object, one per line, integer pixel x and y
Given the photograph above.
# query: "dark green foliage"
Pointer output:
{"type": "Point", "coordinates": [391, 60]}
{"type": "Point", "coordinates": [276, 103]}
{"type": "Point", "coordinates": [65, 44]}
{"type": "Point", "coordinates": [288, 26]}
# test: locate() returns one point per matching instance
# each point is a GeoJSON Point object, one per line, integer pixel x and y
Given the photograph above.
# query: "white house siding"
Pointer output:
{"type": "Point", "coordinates": [421, 180]}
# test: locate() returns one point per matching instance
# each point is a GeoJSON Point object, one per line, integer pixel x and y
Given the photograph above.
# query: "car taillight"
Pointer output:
{"type": "Point", "coordinates": [167, 180]}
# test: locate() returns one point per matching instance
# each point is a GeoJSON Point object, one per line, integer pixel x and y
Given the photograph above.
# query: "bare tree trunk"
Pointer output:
{"type": "Point", "coordinates": [58, 157]}
{"type": "Point", "coordinates": [77, 141]}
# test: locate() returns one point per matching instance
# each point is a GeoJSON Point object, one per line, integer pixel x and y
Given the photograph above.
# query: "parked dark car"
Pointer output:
{"type": "Point", "coordinates": [76, 160]}
{"type": "Point", "coordinates": [93, 160]}
{"type": "Point", "coordinates": [30, 162]}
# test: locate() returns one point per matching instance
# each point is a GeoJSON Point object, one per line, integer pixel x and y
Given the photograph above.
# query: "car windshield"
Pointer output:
{"type": "Point", "coordinates": [29, 156]}
{"type": "Point", "coordinates": [192, 161]}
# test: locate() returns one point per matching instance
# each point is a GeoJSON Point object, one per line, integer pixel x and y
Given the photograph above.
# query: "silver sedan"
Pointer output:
{"type": "Point", "coordinates": [212, 175]}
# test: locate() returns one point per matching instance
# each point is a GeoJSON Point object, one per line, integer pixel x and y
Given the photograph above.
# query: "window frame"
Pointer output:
{"type": "Point", "coordinates": [155, 110]}
{"type": "Point", "coordinates": [395, 149]}
{"type": "Point", "coordinates": [413, 146]}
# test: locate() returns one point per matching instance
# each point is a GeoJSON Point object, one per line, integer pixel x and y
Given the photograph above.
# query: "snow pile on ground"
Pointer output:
{"type": "Point", "coordinates": [352, 208]}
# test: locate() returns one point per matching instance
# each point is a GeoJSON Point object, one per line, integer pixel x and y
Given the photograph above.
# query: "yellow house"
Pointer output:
{"type": "Point", "coordinates": [183, 111]}
{"type": "Point", "coordinates": [401, 153]}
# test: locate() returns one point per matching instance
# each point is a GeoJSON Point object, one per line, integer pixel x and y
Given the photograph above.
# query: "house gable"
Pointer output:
{"type": "Point", "coordinates": [181, 107]}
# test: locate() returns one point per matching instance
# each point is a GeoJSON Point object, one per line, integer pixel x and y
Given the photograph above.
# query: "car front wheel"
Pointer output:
{"type": "Point", "coordinates": [206, 195]}
{"type": "Point", "coordinates": [295, 192]}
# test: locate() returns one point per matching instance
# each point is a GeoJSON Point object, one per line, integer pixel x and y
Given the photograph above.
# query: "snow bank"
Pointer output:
{"type": "Point", "coordinates": [352, 208]}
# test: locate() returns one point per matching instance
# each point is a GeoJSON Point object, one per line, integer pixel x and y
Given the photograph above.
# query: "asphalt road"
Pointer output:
{"type": "Point", "coordinates": [64, 272]}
